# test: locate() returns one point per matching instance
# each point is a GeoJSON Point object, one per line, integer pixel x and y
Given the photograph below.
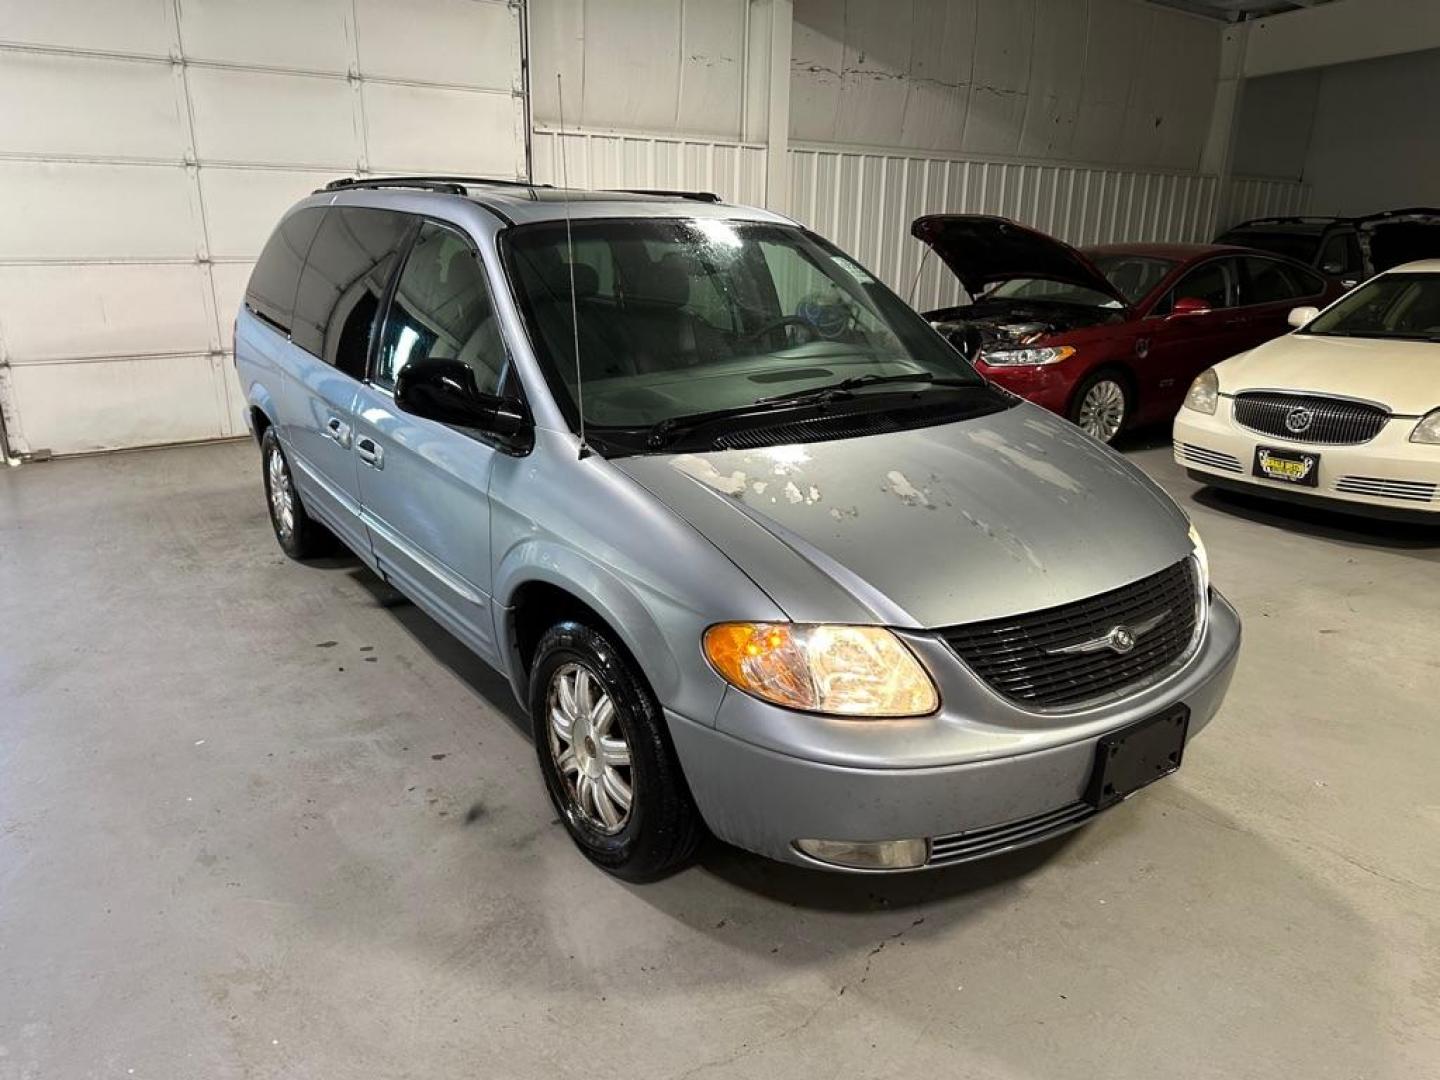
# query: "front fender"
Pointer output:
{"type": "Point", "coordinates": [584, 527]}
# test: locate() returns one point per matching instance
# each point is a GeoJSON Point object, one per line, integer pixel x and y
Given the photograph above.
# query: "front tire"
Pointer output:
{"type": "Point", "coordinates": [299, 535]}
{"type": "Point", "coordinates": [1102, 405]}
{"type": "Point", "coordinates": [606, 757]}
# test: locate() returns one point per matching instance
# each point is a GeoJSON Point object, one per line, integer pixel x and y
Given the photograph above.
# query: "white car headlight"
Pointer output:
{"type": "Point", "coordinates": [1050, 354]}
{"type": "Point", "coordinates": [1428, 429]}
{"type": "Point", "coordinates": [1204, 392]}
{"type": "Point", "coordinates": [1202, 558]}
{"type": "Point", "coordinates": [858, 671]}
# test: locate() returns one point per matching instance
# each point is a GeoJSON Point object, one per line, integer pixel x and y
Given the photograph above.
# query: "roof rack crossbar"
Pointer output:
{"type": "Point", "coordinates": [697, 196]}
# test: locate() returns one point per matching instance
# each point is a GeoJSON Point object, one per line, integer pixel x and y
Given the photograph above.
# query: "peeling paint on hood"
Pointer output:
{"type": "Point", "coordinates": [934, 526]}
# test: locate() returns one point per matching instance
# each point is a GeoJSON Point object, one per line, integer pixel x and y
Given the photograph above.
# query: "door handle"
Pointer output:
{"type": "Point", "coordinates": [337, 429]}
{"type": "Point", "coordinates": [369, 452]}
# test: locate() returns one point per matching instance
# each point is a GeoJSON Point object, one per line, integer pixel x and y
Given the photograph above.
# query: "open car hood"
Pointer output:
{"type": "Point", "coordinates": [981, 251]}
{"type": "Point", "coordinates": [1400, 236]}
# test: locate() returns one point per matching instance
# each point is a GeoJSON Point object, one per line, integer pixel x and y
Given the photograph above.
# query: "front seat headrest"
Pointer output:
{"type": "Point", "coordinates": [587, 281]}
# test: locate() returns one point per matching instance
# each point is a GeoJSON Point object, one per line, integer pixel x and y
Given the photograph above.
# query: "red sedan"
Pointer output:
{"type": "Point", "coordinates": [1111, 336]}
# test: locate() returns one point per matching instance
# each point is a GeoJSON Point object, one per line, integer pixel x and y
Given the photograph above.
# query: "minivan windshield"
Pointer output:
{"type": "Point", "coordinates": [1389, 306]}
{"type": "Point", "coordinates": [679, 318]}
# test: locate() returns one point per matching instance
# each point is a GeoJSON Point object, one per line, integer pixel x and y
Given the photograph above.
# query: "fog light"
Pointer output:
{"type": "Point", "coordinates": [868, 854]}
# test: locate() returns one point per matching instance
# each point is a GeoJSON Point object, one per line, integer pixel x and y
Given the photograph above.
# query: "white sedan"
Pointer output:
{"type": "Point", "coordinates": [1344, 411]}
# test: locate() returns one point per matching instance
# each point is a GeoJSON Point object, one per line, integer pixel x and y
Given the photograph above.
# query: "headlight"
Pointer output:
{"type": "Point", "coordinates": [1202, 557]}
{"type": "Point", "coordinates": [1204, 392]}
{"type": "Point", "coordinates": [1027, 357]}
{"type": "Point", "coordinates": [1428, 430]}
{"type": "Point", "coordinates": [839, 670]}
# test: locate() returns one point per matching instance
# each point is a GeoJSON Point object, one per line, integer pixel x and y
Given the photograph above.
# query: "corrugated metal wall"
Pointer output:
{"type": "Point", "coordinates": [865, 201]}
{"type": "Point", "coordinates": [147, 148]}
{"type": "Point", "coordinates": [1253, 196]}
{"type": "Point", "coordinates": [596, 159]}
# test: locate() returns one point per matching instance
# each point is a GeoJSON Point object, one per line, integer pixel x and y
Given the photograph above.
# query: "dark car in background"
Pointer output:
{"type": "Point", "coordinates": [1113, 335]}
{"type": "Point", "coordinates": [1330, 245]}
{"type": "Point", "coordinates": [1346, 249]}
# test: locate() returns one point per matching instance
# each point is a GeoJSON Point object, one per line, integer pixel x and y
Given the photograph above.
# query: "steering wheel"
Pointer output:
{"type": "Point", "coordinates": [785, 320]}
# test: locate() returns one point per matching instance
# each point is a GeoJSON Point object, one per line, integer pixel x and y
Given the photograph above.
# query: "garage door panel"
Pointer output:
{"type": "Point", "coordinates": [230, 280]}
{"type": "Point", "coordinates": [111, 108]}
{"type": "Point", "coordinates": [72, 408]}
{"type": "Point", "coordinates": [310, 36]}
{"type": "Point", "coordinates": [478, 45]}
{"type": "Point", "coordinates": [243, 206]}
{"type": "Point", "coordinates": [464, 131]}
{"type": "Point", "coordinates": [129, 26]}
{"type": "Point", "coordinates": [51, 312]}
{"type": "Point", "coordinates": [265, 118]}
{"type": "Point", "coordinates": [67, 210]}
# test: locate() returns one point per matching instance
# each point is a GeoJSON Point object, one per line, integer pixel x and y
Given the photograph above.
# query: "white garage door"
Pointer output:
{"type": "Point", "coordinates": [147, 148]}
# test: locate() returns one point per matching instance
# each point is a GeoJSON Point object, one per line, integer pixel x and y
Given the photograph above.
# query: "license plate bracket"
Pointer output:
{"type": "Point", "coordinates": [1290, 466]}
{"type": "Point", "coordinates": [1135, 756]}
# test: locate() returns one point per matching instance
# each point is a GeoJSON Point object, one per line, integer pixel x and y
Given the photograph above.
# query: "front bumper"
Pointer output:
{"type": "Point", "coordinates": [1011, 778]}
{"type": "Point", "coordinates": [1389, 476]}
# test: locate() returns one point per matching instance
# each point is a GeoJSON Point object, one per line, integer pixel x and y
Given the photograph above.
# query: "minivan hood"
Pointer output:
{"type": "Point", "coordinates": [981, 251]}
{"type": "Point", "coordinates": [1404, 376]}
{"type": "Point", "coordinates": [982, 518]}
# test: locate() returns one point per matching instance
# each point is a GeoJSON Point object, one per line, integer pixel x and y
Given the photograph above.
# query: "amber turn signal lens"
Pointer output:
{"type": "Point", "coordinates": [859, 671]}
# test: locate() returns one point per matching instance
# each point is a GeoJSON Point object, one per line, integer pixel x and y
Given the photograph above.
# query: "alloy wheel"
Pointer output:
{"type": "Point", "coordinates": [282, 495]}
{"type": "Point", "coordinates": [1102, 410]}
{"type": "Point", "coordinates": [589, 749]}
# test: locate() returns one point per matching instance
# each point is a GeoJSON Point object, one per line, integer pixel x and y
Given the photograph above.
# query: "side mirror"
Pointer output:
{"type": "Point", "coordinates": [445, 390]}
{"type": "Point", "coordinates": [1299, 316]}
{"type": "Point", "coordinates": [1190, 305]}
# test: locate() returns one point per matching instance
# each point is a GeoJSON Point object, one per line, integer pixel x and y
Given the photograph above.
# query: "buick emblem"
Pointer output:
{"type": "Point", "coordinates": [1298, 420]}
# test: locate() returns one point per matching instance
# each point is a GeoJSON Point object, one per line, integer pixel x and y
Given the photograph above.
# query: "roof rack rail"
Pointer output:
{"type": "Point", "coordinates": [697, 196]}
{"type": "Point", "coordinates": [1289, 219]}
{"type": "Point", "coordinates": [448, 185]}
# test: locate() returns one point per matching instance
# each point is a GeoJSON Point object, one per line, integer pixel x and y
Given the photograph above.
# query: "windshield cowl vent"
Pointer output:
{"type": "Point", "coordinates": [824, 428]}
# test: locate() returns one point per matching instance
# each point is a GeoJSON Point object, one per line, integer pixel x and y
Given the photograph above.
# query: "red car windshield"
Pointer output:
{"type": "Point", "coordinates": [1132, 275]}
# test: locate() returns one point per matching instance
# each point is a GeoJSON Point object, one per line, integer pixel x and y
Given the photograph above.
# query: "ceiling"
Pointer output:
{"type": "Point", "coordinates": [1235, 10]}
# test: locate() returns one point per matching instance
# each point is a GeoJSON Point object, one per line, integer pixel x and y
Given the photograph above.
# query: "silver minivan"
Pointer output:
{"type": "Point", "coordinates": [759, 552]}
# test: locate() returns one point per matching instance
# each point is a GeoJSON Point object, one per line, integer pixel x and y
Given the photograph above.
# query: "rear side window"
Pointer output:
{"type": "Point", "coordinates": [344, 281]}
{"type": "Point", "coordinates": [442, 311]}
{"type": "Point", "coordinates": [271, 291]}
{"type": "Point", "coordinates": [1268, 282]}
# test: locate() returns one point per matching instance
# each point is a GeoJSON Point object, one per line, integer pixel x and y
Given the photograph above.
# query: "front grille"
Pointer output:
{"type": "Point", "coordinates": [1017, 655]}
{"type": "Point", "coordinates": [1213, 459]}
{"type": "Point", "coordinates": [1333, 421]}
{"type": "Point", "coordinates": [1408, 490]}
{"type": "Point", "coordinates": [993, 839]}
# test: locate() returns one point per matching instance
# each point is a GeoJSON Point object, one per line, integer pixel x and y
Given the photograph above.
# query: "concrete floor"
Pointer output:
{"type": "Point", "coordinates": [266, 820]}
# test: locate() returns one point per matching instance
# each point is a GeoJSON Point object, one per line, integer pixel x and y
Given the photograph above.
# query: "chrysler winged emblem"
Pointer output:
{"type": "Point", "coordinates": [1120, 638]}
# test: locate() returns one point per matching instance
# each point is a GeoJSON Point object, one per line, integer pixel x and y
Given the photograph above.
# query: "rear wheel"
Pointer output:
{"type": "Point", "coordinates": [606, 757]}
{"type": "Point", "coordinates": [299, 535]}
{"type": "Point", "coordinates": [1102, 405]}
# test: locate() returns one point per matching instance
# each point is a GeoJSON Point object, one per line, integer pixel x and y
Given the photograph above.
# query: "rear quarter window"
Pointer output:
{"type": "Point", "coordinates": [270, 293]}
{"type": "Point", "coordinates": [344, 280]}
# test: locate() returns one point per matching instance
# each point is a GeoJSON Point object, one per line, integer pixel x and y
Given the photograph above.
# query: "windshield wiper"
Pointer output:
{"type": "Point", "coordinates": [844, 386]}
{"type": "Point", "coordinates": [661, 433]}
